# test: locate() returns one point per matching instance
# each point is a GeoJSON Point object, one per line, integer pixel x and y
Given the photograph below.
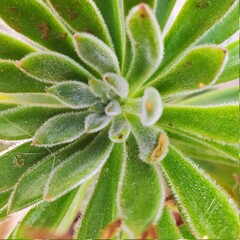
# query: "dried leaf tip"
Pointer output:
{"type": "Point", "coordinates": [150, 233]}
{"type": "Point", "coordinates": [111, 229]}
{"type": "Point", "coordinates": [161, 149]}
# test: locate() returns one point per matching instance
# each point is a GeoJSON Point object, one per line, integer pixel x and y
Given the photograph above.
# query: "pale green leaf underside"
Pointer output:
{"type": "Point", "coordinates": [209, 211]}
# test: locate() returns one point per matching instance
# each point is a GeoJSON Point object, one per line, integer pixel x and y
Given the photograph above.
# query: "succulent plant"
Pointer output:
{"type": "Point", "coordinates": [118, 126]}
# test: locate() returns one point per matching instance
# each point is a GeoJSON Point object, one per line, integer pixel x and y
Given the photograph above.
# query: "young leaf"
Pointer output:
{"type": "Point", "coordinates": [152, 107]}
{"type": "Point", "coordinates": [96, 53]}
{"type": "Point", "coordinates": [167, 228]}
{"type": "Point", "coordinates": [139, 203]}
{"type": "Point", "coordinates": [100, 89]}
{"type": "Point", "coordinates": [207, 209]}
{"type": "Point", "coordinates": [117, 84]}
{"type": "Point", "coordinates": [43, 220]}
{"type": "Point", "coordinates": [147, 47]}
{"type": "Point", "coordinates": [22, 122]}
{"type": "Point", "coordinates": [96, 121]}
{"type": "Point", "coordinates": [152, 141]}
{"type": "Point", "coordinates": [231, 70]}
{"type": "Point", "coordinates": [189, 26]}
{"type": "Point", "coordinates": [41, 27]}
{"type": "Point", "coordinates": [74, 94]}
{"type": "Point", "coordinates": [163, 11]}
{"type": "Point", "coordinates": [79, 167]}
{"type": "Point", "coordinates": [54, 132]}
{"type": "Point", "coordinates": [187, 74]}
{"type": "Point", "coordinates": [101, 209]}
{"type": "Point", "coordinates": [224, 29]}
{"type": "Point", "coordinates": [34, 180]}
{"type": "Point", "coordinates": [114, 18]}
{"type": "Point", "coordinates": [13, 80]}
{"type": "Point", "coordinates": [201, 121]}
{"type": "Point", "coordinates": [119, 130]}
{"type": "Point", "coordinates": [76, 14]}
{"type": "Point", "coordinates": [16, 161]}
{"type": "Point", "coordinates": [13, 49]}
{"type": "Point", "coordinates": [53, 67]}
{"type": "Point", "coordinates": [113, 108]}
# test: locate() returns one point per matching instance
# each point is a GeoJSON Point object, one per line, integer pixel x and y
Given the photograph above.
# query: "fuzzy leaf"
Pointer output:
{"type": "Point", "coordinates": [167, 228]}
{"type": "Point", "coordinates": [101, 209]}
{"type": "Point", "coordinates": [4, 197]}
{"type": "Point", "coordinates": [207, 209]}
{"type": "Point", "coordinates": [113, 15]}
{"type": "Point", "coordinates": [76, 14]}
{"type": "Point", "coordinates": [53, 67]}
{"type": "Point", "coordinates": [41, 27]}
{"type": "Point", "coordinates": [194, 19]}
{"type": "Point", "coordinates": [16, 161]}
{"type": "Point", "coordinates": [22, 122]}
{"type": "Point", "coordinates": [224, 29]}
{"type": "Point", "coordinates": [13, 80]}
{"type": "Point", "coordinates": [163, 11]}
{"type": "Point", "coordinates": [43, 220]}
{"type": "Point", "coordinates": [119, 130]}
{"type": "Point", "coordinates": [113, 108]}
{"type": "Point", "coordinates": [74, 94]}
{"type": "Point", "coordinates": [216, 96]}
{"type": "Point", "coordinates": [96, 53]}
{"type": "Point", "coordinates": [187, 74]}
{"type": "Point", "coordinates": [139, 203]}
{"type": "Point", "coordinates": [201, 121]}
{"type": "Point", "coordinates": [186, 233]}
{"type": "Point", "coordinates": [79, 167]}
{"type": "Point", "coordinates": [34, 180]}
{"type": "Point", "coordinates": [231, 70]}
{"type": "Point", "coordinates": [13, 49]}
{"type": "Point", "coordinates": [96, 121]}
{"type": "Point", "coordinates": [117, 84]}
{"type": "Point", "coordinates": [99, 88]}
{"type": "Point", "coordinates": [60, 129]}
{"type": "Point", "coordinates": [147, 47]}
{"type": "Point", "coordinates": [152, 107]}
{"type": "Point", "coordinates": [152, 141]}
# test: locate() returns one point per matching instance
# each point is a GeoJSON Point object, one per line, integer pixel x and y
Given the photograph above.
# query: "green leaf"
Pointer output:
{"type": "Point", "coordinates": [79, 167]}
{"type": "Point", "coordinates": [43, 220]}
{"type": "Point", "coordinates": [41, 27]}
{"type": "Point", "coordinates": [163, 11]}
{"type": "Point", "coordinates": [231, 70]}
{"type": "Point", "coordinates": [224, 29]}
{"type": "Point", "coordinates": [76, 14]}
{"type": "Point", "coordinates": [13, 80]}
{"type": "Point", "coordinates": [31, 99]}
{"type": "Point", "coordinates": [152, 141]}
{"type": "Point", "coordinates": [147, 47]}
{"type": "Point", "coordinates": [96, 53]}
{"type": "Point", "coordinates": [33, 181]}
{"type": "Point", "coordinates": [208, 210]}
{"type": "Point", "coordinates": [53, 67]}
{"type": "Point", "coordinates": [201, 121]}
{"type": "Point", "coordinates": [141, 193]}
{"type": "Point", "coordinates": [53, 132]}
{"type": "Point", "coordinates": [186, 232]}
{"type": "Point", "coordinates": [113, 108]}
{"type": "Point", "coordinates": [215, 96]}
{"type": "Point", "coordinates": [101, 209]}
{"type": "Point", "coordinates": [74, 94]}
{"type": "Point", "coordinates": [13, 49]}
{"type": "Point", "coordinates": [16, 161]}
{"type": "Point", "coordinates": [194, 19]}
{"type": "Point", "coordinates": [4, 197]}
{"type": "Point", "coordinates": [22, 122]}
{"type": "Point", "coordinates": [167, 228]}
{"type": "Point", "coordinates": [113, 15]}
{"type": "Point", "coordinates": [96, 121]}
{"type": "Point", "coordinates": [187, 74]}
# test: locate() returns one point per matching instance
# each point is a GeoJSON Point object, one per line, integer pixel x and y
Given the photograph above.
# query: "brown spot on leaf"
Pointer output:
{"type": "Point", "coordinates": [202, 4]}
{"type": "Point", "coordinates": [19, 160]}
{"type": "Point", "coordinates": [14, 11]}
{"type": "Point", "coordinates": [189, 64]}
{"type": "Point", "coordinates": [110, 231]}
{"type": "Point", "coordinates": [61, 35]}
{"type": "Point", "coordinates": [150, 233]}
{"type": "Point", "coordinates": [143, 10]}
{"type": "Point", "coordinates": [160, 149]}
{"type": "Point", "coordinates": [44, 30]}
{"type": "Point", "coordinates": [236, 178]}
{"type": "Point", "coordinates": [149, 106]}
{"type": "Point", "coordinates": [201, 85]}
{"type": "Point", "coordinates": [120, 136]}
{"type": "Point", "coordinates": [48, 198]}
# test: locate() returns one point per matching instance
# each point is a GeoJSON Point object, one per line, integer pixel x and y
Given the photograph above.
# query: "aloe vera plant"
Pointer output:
{"type": "Point", "coordinates": [117, 121]}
